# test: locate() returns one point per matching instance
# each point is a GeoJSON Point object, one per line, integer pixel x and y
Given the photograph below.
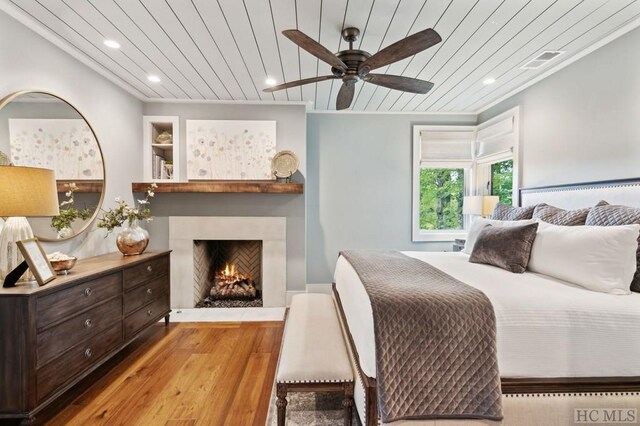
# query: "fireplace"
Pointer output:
{"type": "Point", "coordinates": [186, 237]}
{"type": "Point", "coordinates": [227, 273]}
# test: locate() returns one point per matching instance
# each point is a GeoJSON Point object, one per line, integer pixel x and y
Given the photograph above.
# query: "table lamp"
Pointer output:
{"type": "Point", "coordinates": [24, 192]}
{"type": "Point", "coordinates": [479, 205]}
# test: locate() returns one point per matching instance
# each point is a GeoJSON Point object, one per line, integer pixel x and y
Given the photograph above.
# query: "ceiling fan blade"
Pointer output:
{"type": "Point", "coordinates": [400, 50]}
{"type": "Point", "coordinates": [397, 82]}
{"type": "Point", "coordinates": [345, 95]}
{"type": "Point", "coordinates": [299, 83]}
{"type": "Point", "coordinates": [315, 48]}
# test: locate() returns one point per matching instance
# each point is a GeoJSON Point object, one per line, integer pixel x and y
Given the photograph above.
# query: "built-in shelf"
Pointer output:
{"type": "Point", "coordinates": [165, 146]}
{"type": "Point", "coordinates": [83, 185]}
{"type": "Point", "coordinates": [221, 186]}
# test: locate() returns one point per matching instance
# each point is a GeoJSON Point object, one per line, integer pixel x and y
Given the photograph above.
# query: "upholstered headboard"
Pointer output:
{"type": "Point", "coordinates": [577, 195]}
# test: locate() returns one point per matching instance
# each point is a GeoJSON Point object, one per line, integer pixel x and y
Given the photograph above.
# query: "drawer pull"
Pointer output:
{"type": "Point", "coordinates": [88, 353]}
{"type": "Point", "coordinates": [87, 292]}
{"type": "Point", "coordinates": [149, 268]}
{"type": "Point", "coordinates": [149, 291]}
{"type": "Point", "coordinates": [88, 323]}
{"type": "Point", "coordinates": [149, 312]}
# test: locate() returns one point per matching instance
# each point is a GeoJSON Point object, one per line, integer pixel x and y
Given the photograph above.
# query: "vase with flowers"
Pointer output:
{"type": "Point", "coordinates": [132, 239]}
{"type": "Point", "coordinates": [68, 213]}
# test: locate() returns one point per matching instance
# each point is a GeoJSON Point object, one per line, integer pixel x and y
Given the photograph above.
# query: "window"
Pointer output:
{"type": "Point", "coordinates": [502, 181]}
{"type": "Point", "coordinates": [441, 193]}
{"type": "Point", "coordinates": [450, 162]}
{"type": "Point", "coordinates": [443, 160]}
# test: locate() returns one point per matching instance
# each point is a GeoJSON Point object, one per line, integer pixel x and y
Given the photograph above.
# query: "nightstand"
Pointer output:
{"type": "Point", "coordinates": [458, 244]}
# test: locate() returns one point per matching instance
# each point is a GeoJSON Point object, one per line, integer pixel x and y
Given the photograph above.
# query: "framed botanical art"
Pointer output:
{"type": "Point", "coordinates": [230, 149]}
{"type": "Point", "coordinates": [67, 146]}
{"type": "Point", "coordinates": [37, 260]}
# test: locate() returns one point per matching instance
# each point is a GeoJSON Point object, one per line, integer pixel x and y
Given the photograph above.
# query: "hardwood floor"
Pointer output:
{"type": "Point", "coordinates": [186, 374]}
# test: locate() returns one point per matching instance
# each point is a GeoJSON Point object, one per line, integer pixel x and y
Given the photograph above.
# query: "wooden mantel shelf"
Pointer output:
{"type": "Point", "coordinates": [222, 186]}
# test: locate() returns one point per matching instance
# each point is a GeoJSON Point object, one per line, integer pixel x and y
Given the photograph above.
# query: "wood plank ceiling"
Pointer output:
{"type": "Point", "coordinates": [226, 49]}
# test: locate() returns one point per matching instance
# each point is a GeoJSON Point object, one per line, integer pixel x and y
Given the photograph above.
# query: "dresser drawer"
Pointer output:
{"type": "Point", "coordinates": [140, 296]}
{"type": "Point", "coordinates": [57, 373]}
{"type": "Point", "coordinates": [146, 315]}
{"type": "Point", "coordinates": [146, 271]}
{"type": "Point", "coordinates": [61, 337]}
{"type": "Point", "coordinates": [64, 303]}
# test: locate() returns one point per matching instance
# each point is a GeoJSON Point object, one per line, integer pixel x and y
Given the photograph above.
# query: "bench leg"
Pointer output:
{"type": "Point", "coordinates": [281, 403]}
{"type": "Point", "coordinates": [347, 403]}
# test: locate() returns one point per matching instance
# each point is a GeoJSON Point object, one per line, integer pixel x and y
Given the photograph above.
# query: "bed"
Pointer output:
{"type": "Point", "coordinates": [575, 342]}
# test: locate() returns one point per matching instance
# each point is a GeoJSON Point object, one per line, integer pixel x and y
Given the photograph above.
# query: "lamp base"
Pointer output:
{"type": "Point", "coordinates": [14, 229]}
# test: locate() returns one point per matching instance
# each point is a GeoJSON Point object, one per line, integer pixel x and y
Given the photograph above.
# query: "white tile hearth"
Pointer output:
{"type": "Point", "coordinates": [272, 231]}
{"type": "Point", "coordinates": [227, 314]}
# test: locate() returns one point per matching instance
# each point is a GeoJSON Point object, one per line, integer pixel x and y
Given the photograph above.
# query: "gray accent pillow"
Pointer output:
{"type": "Point", "coordinates": [505, 212]}
{"type": "Point", "coordinates": [604, 214]}
{"type": "Point", "coordinates": [560, 217]}
{"type": "Point", "coordinates": [507, 247]}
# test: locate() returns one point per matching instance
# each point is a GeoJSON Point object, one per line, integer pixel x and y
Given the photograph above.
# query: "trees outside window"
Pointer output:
{"type": "Point", "coordinates": [441, 195]}
{"type": "Point", "coordinates": [502, 181]}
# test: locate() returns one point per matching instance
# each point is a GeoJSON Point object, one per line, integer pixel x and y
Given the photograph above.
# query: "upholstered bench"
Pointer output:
{"type": "Point", "coordinates": [314, 355]}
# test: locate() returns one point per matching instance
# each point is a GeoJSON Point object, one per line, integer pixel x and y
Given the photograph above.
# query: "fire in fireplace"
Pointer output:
{"type": "Point", "coordinates": [230, 283]}
{"type": "Point", "coordinates": [228, 273]}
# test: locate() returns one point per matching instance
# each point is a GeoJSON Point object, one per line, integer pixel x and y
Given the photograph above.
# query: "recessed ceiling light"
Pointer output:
{"type": "Point", "coordinates": [112, 44]}
{"type": "Point", "coordinates": [270, 81]}
{"type": "Point", "coordinates": [489, 81]}
{"type": "Point", "coordinates": [153, 78]}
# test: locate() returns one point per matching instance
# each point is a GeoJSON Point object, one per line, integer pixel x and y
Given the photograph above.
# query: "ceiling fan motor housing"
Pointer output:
{"type": "Point", "coordinates": [352, 59]}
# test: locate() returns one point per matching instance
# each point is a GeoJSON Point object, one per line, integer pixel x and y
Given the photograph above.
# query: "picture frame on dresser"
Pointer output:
{"type": "Point", "coordinates": [37, 261]}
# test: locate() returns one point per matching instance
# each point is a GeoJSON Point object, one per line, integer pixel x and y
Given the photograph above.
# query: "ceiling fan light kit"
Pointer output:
{"type": "Point", "coordinates": [352, 65]}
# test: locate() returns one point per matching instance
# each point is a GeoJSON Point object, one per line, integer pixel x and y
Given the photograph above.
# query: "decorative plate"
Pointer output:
{"type": "Point", "coordinates": [284, 164]}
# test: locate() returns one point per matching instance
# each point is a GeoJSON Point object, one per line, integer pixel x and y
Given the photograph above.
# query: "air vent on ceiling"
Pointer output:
{"type": "Point", "coordinates": [542, 59]}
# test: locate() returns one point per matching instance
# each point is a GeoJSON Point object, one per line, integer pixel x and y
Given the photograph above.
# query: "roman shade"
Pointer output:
{"type": "Point", "coordinates": [446, 148]}
{"type": "Point", "coordinates": [496, 141]}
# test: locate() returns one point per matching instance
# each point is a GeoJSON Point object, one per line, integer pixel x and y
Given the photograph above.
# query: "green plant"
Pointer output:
{"type": "Point", "coordinates": [68, 215]}
{"type": "Point", "coordinates": [115, 217]}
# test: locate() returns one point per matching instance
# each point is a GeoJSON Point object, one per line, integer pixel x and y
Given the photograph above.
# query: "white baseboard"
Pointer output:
{"type": "Point", "coordinates": [319, 288]}
{"type": "Point", "coordinates": [311, 288]}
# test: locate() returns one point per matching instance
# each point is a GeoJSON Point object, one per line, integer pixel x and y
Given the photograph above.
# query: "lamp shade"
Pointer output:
{"type": "Point", "coordinates": [479, 205]}
{"type": "Point", "coordinates": [472, 205]}
{"type": "Point", "coordinates": [28, 191]}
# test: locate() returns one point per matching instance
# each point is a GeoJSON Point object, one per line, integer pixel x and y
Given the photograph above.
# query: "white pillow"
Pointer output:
{"type": "Point", "coordinates": [480, 223]}
{"type": "Point", "coordinates": [598, 258]}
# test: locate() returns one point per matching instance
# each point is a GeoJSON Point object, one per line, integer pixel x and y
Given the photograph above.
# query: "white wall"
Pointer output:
{"type": "Point", "coordinates": [27, 61]}
{"type": "Point", "coordinates": [582, 123]}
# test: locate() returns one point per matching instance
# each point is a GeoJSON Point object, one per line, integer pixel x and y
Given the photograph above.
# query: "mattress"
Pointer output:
{"type": "Point", "coordinates": [545, 327]}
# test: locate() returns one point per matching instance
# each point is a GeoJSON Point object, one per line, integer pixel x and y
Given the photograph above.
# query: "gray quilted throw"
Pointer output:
{"type": "Point", "coordinates": [435, 340]}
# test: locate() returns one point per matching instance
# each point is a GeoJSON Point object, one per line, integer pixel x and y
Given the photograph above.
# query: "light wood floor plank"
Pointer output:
{"type": "Point", "coordinates": [188, 374]}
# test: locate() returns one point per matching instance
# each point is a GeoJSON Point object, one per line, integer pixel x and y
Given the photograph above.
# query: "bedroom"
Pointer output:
{"type": "Point", "coordinates": [573, 120]}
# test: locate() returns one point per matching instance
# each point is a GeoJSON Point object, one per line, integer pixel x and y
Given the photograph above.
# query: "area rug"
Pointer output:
{"type": "Point", "coordinates": [311, 408]}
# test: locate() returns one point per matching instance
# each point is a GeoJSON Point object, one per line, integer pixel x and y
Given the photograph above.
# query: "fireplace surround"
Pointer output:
{"type": "Point", "coordinates": [186, 288]}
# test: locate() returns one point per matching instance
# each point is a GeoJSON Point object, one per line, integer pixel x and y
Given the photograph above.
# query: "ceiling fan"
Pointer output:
{"type": "Point", "coordinates": [353, 65]}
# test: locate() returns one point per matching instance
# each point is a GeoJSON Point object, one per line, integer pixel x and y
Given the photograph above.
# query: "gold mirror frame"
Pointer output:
{"type": "Point", "coordinates": [7, 99]}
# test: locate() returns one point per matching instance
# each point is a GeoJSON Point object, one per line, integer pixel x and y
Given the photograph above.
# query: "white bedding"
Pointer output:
{"type": "Point", "coordinates": [545, 327]}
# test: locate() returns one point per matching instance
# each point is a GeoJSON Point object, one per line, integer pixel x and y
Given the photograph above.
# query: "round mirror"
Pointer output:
{"type": "Point", "coordinates": [40, 129]}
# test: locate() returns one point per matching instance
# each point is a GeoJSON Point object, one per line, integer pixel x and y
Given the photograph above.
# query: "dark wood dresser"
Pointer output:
{"type": "Point", "coordinates": [51, 337]}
